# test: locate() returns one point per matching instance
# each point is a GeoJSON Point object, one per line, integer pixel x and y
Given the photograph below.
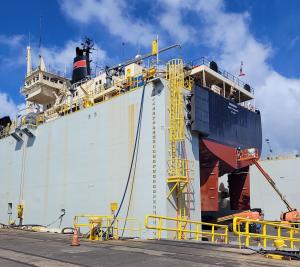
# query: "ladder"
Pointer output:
{"type": "Point", "coordinates": [178, 174]}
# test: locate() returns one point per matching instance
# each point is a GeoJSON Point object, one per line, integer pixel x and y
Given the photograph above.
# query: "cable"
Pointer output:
{"type": "Point", "coordinates": [133, 179]}
{"type": "Point", "coordinates": [136, 143]}
{"type": "Point", "coordinates": [58, 219]}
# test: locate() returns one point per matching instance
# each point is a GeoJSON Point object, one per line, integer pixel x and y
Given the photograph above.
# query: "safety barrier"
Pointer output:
{"type": "Point", "coordinates": [187, 229]}
{"type": "Point", "coordinates": [103, 227]}
{"type": "Point", "coordinates": [264, 231]}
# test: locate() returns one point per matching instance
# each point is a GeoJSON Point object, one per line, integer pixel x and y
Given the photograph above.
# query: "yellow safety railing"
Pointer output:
{"type": "Point", "coordinates": [103, 227]}
{"type": "Point", "coordinates": [187, 229]}
{"type": "Point", "coordinates": [269, 231]}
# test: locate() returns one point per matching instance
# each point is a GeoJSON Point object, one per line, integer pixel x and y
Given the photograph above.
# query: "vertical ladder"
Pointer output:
{"type": "Point", "coordinates": [178, 179]}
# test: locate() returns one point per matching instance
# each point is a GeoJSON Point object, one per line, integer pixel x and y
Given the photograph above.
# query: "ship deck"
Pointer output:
{"type": "Point", "coordinates": [20, 248]}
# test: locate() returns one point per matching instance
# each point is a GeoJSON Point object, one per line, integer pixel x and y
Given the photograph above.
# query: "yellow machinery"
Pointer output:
{"type": "Point", "coordinates": [193, 229]}
{"type": "Point", "coordinates": [104, 227]}
{"type": "Point", "coordinates": [178, 180]}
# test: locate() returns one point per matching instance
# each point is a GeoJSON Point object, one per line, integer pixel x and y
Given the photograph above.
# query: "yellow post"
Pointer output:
{"type": "Point", "coordinates": [154, 47]}
{"type": "Point", "coordinates": [291, 238]}
{"type": "Point", "coordinates": [159, 227]}
{"type": "Point", "coordinates": [116, 228]}
{"type": "Point", "coordinates": [247, 241]}
{"type": "Point", "coordinates": [197, 231]}
{"type": "Point", "coordinates": [226, 235]}
{"type": "Point", "coordinates": [264, 235]}
{"type": "Point", "coordinates": [20, 209]}
{"type": "Point", "coordinates": [239, 232]}
{"type": "Point", "coordinates": [213, 234]}
{"type": "Point", "coordinates": [179, 228]}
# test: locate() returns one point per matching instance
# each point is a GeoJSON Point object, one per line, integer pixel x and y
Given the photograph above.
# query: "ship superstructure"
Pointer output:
{"type": "Point", "coordinates": [153, 139]}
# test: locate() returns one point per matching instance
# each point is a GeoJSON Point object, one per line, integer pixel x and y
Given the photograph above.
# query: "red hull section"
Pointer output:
{"type": "Point", "coordinates": [239, 189]}
{"type": "Point", "coordinates": [226, 154]}
{"type": "Point", "coordinates": [216, 160]}
{"type": "Point", "coordinates": [209, 176]}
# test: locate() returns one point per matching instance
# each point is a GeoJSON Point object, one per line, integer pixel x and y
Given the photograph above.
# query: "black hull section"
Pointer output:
{"type": "Point", "coordinates": [223, 121]}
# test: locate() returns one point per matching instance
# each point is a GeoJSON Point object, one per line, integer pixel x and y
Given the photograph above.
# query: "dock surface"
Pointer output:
{"type": "Point", "coordinates": [22, 248]}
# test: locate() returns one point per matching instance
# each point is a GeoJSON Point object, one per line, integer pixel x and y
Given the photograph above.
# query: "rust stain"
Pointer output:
{"type": "Point", "coordinates": [131, 132]}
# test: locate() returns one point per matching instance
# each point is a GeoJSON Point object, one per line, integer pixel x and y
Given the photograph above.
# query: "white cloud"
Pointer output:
{"type": "Point", "coordinates": [277, 97]}
{"type": "Point", "coordinates": [11, 41]}
{"type": "Point", "coordinates": [7, 106]}
{"type": "Point", "coordinates": [113, 15]}
{"type": "Point", "coordinates": [230, 40]}
{"type": "Point", "coordinates": [171, 20]}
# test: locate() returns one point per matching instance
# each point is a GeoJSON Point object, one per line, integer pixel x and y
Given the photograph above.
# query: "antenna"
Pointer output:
{"type": "Point", "coordinates": [40, 39]}
{"type": "Point", "coordinates": [123, 50]}
{"type": "Point", "coordinates": [29, 39]}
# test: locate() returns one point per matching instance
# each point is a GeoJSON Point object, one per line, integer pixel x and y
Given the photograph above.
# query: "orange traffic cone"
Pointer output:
{"type": "Point", "coordinates": [75, 239]}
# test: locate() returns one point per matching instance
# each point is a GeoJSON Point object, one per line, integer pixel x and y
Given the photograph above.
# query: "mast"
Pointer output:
{"type": "Point", "coordinates": [28, 59]}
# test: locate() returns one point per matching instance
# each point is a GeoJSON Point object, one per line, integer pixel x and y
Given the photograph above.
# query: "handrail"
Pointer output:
{"type": "Point", "coordinates": [266, 235]}
{"type": "Point", "coordinates": [186, 226]}
{"type": "Point", "coordinates": [224, 73]}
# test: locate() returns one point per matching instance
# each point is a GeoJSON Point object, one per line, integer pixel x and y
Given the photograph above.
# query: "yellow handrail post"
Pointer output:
{"type": "Point", "coordinates": [213, 234]}
{"type": "Point", "coordinates": [179, 229]}
{"type": "Point", "coordinates": [160, 227]}
{"type": "Point", "coordinates": [117, 228]}
{"type": "Point", "coordinates": [264, 235]}
{"type": "Point", "coordinates": [291, 238]}
{"type": "Point", "coordinates": [247, 241]}
{"type": "Point", "coordinates": [226, 235]}
{"type": "Point", "coordinates": [239, 231]}
{"type": "Point", "coordinates": [197, 231]}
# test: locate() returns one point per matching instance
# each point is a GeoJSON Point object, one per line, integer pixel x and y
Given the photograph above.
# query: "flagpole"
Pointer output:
{"type": "Point", "coordinates": [157, 56]}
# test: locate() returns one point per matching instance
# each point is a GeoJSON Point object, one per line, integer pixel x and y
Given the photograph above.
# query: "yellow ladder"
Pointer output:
{"type": "Point", "coordinates": [178, 178]}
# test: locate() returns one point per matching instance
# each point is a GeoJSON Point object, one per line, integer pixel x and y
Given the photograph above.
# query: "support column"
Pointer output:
{"type": "Point", "coordinates": [239, 189]}
{"type": "Point", "coordinates": [209, 176]}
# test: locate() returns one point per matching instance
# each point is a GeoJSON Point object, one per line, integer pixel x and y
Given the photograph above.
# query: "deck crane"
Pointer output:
{"type": "Point", "coordinates": [292, 215]}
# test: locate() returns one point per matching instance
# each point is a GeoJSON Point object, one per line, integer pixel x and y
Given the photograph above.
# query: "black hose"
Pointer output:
{"type": "Point", "coordinates": [136, 143]}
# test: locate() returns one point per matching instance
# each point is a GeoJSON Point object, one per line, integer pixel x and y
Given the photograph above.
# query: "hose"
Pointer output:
{"type": "Point", "coordinates": [134, 155]}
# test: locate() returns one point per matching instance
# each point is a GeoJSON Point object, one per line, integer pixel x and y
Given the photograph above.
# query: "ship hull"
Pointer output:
{"type": "Point", "coordinates": [223, 127]}
{"type": "Point", "coordinates": [80, 163]}
{"type": "Point", "coordinates": [224, 122]}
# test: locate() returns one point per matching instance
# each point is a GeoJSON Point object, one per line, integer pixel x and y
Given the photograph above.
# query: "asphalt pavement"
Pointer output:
{"type": "Point", "coordinates": [22, 248]}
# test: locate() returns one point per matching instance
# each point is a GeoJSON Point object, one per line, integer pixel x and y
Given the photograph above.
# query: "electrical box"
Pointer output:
{"type": "Point", "coordinates": [133, 70]}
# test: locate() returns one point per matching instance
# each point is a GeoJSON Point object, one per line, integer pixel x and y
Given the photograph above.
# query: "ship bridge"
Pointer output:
{"type": "Point", "coordinates": [208, 74]}
{"type": "Point", "coordinates": [41, 86]}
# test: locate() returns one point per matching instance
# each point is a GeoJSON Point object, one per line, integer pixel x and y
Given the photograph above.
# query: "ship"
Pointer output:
{"type": "Point", "coordinates": [146, 137]}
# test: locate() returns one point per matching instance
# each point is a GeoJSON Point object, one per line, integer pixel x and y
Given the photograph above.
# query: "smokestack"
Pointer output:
{"type": "Point", "coordinates": [29, 64]}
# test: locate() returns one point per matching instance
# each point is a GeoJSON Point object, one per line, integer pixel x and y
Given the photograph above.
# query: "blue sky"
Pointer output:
{"type": "Point", "coordinates": [264, 34]}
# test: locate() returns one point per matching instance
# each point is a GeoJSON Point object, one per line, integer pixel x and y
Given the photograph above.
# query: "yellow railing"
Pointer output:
{"type": "Point", "coordinates": [269, 231]}
{"type": "Point", "coordinates": [187, 229]}
{"type": "Point", "coordinates": [103, 227]}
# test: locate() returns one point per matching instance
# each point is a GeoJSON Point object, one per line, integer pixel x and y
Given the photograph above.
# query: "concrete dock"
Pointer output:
{"type": "Point", "coordinates": [22, 248]}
